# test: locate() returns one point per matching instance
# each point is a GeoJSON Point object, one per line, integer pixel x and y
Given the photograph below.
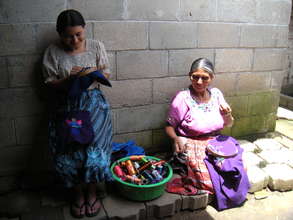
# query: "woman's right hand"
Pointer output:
{"type": "Point", "coordinates": [179, 146]}
{"type": "Point", "coordinates": [75, 70]}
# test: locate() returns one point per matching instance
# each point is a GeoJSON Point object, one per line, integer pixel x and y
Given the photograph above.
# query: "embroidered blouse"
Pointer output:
{"type": "Point", "coordinates": [190, 118]}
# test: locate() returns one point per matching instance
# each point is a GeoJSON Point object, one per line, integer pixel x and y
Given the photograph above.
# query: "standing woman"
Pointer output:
{"type": "Point", "coordinates": [79, 168]}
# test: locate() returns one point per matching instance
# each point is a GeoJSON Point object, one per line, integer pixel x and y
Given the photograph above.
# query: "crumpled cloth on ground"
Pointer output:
{"type": "Point", "coordinates": [229, 178]}
{"type": "Point", "coordinates": [120, 150]}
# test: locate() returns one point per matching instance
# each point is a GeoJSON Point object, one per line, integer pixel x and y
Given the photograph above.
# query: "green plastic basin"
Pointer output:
{"type": "Point", "coordinates": [141, 192]}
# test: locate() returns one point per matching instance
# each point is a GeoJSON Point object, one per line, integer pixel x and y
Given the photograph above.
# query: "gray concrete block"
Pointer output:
{"type": "Point", "coordinates": [277, 78]}
{"type": "Point", "coordinates": [17, 39]}
{"type": "Point", "coordinates": [239, 105]}
{"type": "Point", "coordinates": [225, 60]}
{"type": "Point", "coordinates": [236, 10]}
{"type": "Point", "coordinates": [262, 103]}
{"type": "Point", "coordinates": [44, 213]}
{"type": "Point", "coordinates": [119, 208]}
{"type": "Point", "coordinates": [195, 202]}
{"type": "Point", "coordinates": [99, 9]}
{"type": "Point", "coordinates": [251, 160]}
{"type": "Point", "coordinates": [164, 89]}
{"type": "Point", "coordinates": [258, 179]}
{"type": "Point", "coordinates": [166, 205]}
{"type": "Point", "coordinates": [141, 118]}
{"type": "Point", "coordinates": [253, 82]}
{"type": "Point", "coordinates": [30, 129]}
{"type": "Point", "coordinates": [208, 35]}
{"type": "Point", "coordinates": [143, 138]}
{"type": "Point", "coordinates": [112, 61]}
{"type": "Point", "coordinates": [22, 70]}
{"type": "Point", "coordinates": [162, 35]}
{"type": "Point", "coordinates": [181, 60]}
{"type": "Point", "coordinates": [4, 80]}
{"type": "Point", "coordinates": [264, 36]}
{"type": "Point", "coordinates": [67, 216]}
{"type": "Point", "coordinates": [19, 102]}
{"type": "Point", "coordinates": [18, 202]}
{"type": "Point", "coordinates": [161, 141]}
{"type": "Point", "coordinates": [129, 93]}
{"type": "Point", "coordinates": [142, 64]}
{"type": "Point", "coordinates": [152, 10]}
{"type": "Point", "coordinates": [226, 82]}
{"type": "Point", "coordinates": [273, 12]}
{"type": "Point", "coordinates": [53, 198]}
{"type": "Point", "coordinates": [122, 35]}
{"type": "Point", "coordinates": [8, 184]}
{"type": "Point", "coordinates": [201, 11]}
{"type": "Point", "coordinates": [46, 34]}
{"type": "Point", "coordinates": [288, 143]}
{"type": "Point", "coordinates": [266, 144]}
{"type": "Point", "coordinates": [283, 156]}
{"type": "Point", "coordinates": [14, 159]}
{"type": "Point", "coordinates": [14, 11]}
{"type": "Point", "coordinates": [7, 132]}
{"type": "Point", "coordinates": [248, 146]}
{"type": "Point", "coordinates": [282, 181]}
{"type": "Point", "coordinates": [269, 59]}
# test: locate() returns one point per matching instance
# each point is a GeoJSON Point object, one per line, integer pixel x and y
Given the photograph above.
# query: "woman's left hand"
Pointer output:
{"type": "Point", "coordinates": [225, 109]}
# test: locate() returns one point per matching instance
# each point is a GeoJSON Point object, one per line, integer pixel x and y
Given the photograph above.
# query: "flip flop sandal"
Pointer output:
{"type": "Point", "coordinates": [73, 213]}
{"type": "Point", "coordinates": [92, 214]}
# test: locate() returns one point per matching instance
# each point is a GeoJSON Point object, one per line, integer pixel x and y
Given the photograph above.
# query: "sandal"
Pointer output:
{"type": "Point", "coordinates": [81, 210]}
{"type": "Point", "coordinates": [90, 207]}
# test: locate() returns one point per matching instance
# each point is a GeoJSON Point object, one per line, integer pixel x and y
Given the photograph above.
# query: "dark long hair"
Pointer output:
{"type": "Point", "coordinates": [69, 18]}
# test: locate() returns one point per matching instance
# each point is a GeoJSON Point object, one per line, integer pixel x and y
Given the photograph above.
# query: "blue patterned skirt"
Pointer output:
{"type": "Point", "coordinates": [92, 163]}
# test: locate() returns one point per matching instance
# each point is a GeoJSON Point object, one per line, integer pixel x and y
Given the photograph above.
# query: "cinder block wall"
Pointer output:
{"type": "Point", "coordinates": [151, 44]}
{"type": "Point", "coordinates": [287, 87]}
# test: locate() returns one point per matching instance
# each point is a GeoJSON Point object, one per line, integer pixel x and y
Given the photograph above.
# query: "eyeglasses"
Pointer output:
{"type": "Point", "coordinates": [196, 78]}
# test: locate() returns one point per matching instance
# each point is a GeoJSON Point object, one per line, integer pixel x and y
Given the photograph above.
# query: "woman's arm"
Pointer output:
{"type": "Point", "coordinates": [62, 83]}
{"type": "Point", "coordinates": [178, 145]}
{"type": "Point", "coordinates": [226, 113]}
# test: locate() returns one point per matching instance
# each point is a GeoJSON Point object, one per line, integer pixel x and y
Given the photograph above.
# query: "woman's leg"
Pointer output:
{"type": "Point", "coordinates": [93, 204]}
{"type": "Point", "coordinates": [78, 202]}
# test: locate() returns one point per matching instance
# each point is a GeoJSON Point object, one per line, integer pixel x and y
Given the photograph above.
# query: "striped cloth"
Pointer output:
{"type": "Point", "coordinates": [197, 180]}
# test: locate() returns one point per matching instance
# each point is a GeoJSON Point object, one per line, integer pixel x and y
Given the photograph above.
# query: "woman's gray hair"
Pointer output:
{"type": "Point", "coordinates": [203, 64]}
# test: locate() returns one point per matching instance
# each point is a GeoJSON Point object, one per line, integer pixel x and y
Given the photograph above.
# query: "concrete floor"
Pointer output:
{"type": "Point", "coordinates": [277, 206]}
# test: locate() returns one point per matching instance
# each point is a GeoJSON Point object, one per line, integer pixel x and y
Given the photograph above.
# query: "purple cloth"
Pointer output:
{"type": "Point", "coordinates": [228, 176]}
{"type": "Point", "coordinates": [74, 128]}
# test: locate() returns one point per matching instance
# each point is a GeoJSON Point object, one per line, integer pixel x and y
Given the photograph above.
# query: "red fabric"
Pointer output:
{"type": "Point", "coordinates": [198, 178]}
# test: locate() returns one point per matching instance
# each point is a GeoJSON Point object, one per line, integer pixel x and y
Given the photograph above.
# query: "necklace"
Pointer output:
{"type": "Point", "coordinates": [205, 104]}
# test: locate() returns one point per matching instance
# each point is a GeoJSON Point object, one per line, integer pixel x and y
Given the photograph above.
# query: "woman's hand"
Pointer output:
{"type": "Point", "coordinates": [75, 70]}
{"type": "Point", "coordinates": [179, 146]}
{"type": "Point", "coordinates": [225, 109]}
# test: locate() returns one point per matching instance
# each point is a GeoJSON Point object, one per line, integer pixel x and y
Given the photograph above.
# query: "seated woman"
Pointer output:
{"type": "Point", "coordinates": [195, 118]}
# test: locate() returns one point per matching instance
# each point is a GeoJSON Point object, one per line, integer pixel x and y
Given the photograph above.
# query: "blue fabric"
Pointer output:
{"type": "Point", "coordinates": [81, 83]}
{"type": "Point", "coordinates": [120, 150]}
{"type": "Point", "coordinates": [90, 163]}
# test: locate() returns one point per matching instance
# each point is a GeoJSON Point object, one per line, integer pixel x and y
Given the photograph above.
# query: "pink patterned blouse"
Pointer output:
{"type": "Point", "coordinates": [190, 118]}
